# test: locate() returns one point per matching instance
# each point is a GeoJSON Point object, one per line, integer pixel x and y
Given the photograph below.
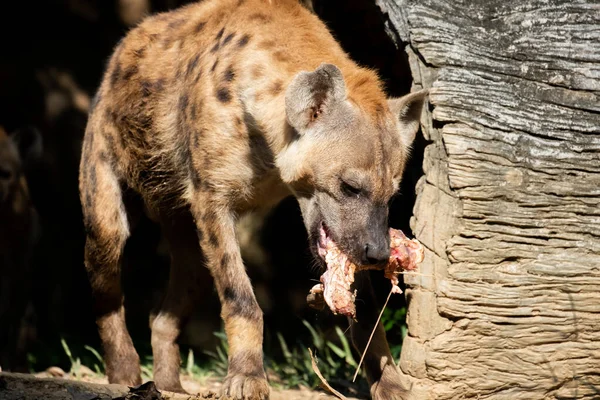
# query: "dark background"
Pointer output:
{"type": "Point", "coordinates": [53, 56]}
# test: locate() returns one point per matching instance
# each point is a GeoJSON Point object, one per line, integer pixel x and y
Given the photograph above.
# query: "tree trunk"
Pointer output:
{"type": "Point", "coordinates": [508, 306]}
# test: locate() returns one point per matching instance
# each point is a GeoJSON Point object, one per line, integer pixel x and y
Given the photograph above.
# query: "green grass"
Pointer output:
{"type": "Point", "coordinates": [334, 359]}
{"type": "Point", "coordinates": [76, 369]}
{"type": "Point", "coordinates": [392, 320]}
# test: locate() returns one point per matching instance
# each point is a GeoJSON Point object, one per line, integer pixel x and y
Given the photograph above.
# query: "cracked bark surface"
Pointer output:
{"type": "Point", "coordinates": [509, 206]}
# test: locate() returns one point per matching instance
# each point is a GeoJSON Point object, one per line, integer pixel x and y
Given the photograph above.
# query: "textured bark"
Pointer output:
{"type": "Point", "coordinates": [508, 209]}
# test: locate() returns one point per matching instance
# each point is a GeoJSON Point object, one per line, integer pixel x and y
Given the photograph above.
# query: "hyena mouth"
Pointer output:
{"type": "Point", "coordinates": [324, 241]}
{"type": "Point", "coordinates": [335, 288]}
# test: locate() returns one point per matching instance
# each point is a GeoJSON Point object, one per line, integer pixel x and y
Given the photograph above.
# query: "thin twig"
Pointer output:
{"type": "Point", "coordinates": [323, 380]}
{"type": "Point", "coordinates": [371, 337]}
{"type": "Point", "coordinates": [415, 273]}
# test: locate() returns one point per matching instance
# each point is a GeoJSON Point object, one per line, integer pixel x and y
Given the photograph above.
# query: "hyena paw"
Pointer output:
{"type": "Point", "coordinates": [174, 386]}
{"type": "Point", "coordinates": [389, 387]}
{"type": "Point", "coordinates": [389, 393]}
{"type": "Point", "coordinates": [245, 387]}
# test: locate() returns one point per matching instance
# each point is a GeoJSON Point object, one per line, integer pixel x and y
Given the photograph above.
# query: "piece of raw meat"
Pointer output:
{"type": "Point", "coordinates": [335, 288]}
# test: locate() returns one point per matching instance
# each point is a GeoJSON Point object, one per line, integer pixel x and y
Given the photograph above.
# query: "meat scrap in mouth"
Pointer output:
{"type": "Point", "coordinates": [335, 288]}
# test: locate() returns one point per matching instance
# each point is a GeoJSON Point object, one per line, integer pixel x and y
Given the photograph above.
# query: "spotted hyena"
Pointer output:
{"type": "Point", "coordinates": [220, 108]}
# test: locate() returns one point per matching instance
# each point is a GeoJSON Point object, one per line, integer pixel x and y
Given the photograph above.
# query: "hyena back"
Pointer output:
{"type": "Point", "coordinates": [216, 109]}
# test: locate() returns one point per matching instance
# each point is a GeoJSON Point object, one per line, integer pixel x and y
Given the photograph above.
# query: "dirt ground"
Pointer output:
{"type": "Point", "coordinates": [51, 386]}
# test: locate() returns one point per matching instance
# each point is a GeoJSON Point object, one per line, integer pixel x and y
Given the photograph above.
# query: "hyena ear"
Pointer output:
{"type": "Point", "coordinates": [311, 94]}
{"type": "Point", "coordinates": [408, 109]}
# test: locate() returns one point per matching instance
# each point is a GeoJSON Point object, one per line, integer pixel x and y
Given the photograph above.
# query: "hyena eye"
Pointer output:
{"type": "Point", "coordinates": [350, 190]}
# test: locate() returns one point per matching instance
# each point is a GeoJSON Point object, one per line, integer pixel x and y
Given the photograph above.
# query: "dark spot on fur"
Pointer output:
{"type": "Point", "coordinates": [362, 81]}
{"type": "Point", "coordinates": [229, 74]}
{"type": "Point", "coordinates": [193, 110]}
{"type": "Point", "coordinates": [215, 48]}
{"type": "Point", "coordinates": [92, 175]}
{"type": "Point", "coordinates": [224, 95]}
{"type": "Point", "coordinates": [199, 26]}
{"type": "Point", "coordinates": [214, 66]}
{"type": "Point", "coordinates": [275, 88]}
{"type": "Point", "coordinates": [183, 103]}
{"type": "Point", "coordinates": [115, 74]}
{"type": "Point", "coordinates": [200, 234]}
{"type": "Point", "coordinates": [167, 42]}
{"type": "Point", "coordinates": [281, 56]}
{"type": "Point", "coordinates": [240, 302]}
{"type": "Point", "coordinates": [238, 122]}
{"type": "Point", "coordinates": [207, 161]}
{"type": "Point", "coordinates": [257, 71]}
{"type": "Point", "coordinates": [103, 156]}
{"type": "Point", "coordinates": [206, 186]}
{"type": "Point", "coordinates": [198, 76]}
{"type": "Point", "coordinates": [243, 41]}
{"type": "Point", "coordinates": [110, 143]}
{"type": "Point", "coordinates": [267, 44]}
{"type": "Point", "coordinates": [260, 18]}
{"type": "Point", "coordinates": [228, 39]}
{"type": "Point", "coordinates": [194, 176]}
{"type": "Point", "coordinates": [260, 157]}
{"type": "Point", "coordinates": [220, 34]}
{"type": "Point", "coordinates": [196, 139]}
{"type": "Point", "coordinates": [176, 23]}
{"type": "Point", "coordinates": [225, 261]}
{"type": "Point", "coordinates": [209, 218]}
{"type": "Point", "coordinates": [159, 85]}
{"type": "Point", "coordinates": [192, 64]}
{"type": "Point", "coordinates": [213, 239]}
{"type": "Point", "coordinates": [130, 72]}
{"type": "Point", "coordinates": [146, 88]}
{"type": "Point", "coordinates": [140, 53]}
{"type": "Point", "coordinates": [89, 198]}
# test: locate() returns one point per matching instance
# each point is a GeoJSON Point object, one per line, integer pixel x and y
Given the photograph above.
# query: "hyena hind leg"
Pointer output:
{"type": "Point", "coordinates": [188, 278]}
{"type": "Point", "coordinates": [107, 229]}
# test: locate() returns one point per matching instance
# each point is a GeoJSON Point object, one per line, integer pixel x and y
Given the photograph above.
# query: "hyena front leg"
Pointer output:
{"type": "Point", "coordinates": [107, 230]}
{"type": "Point", "coordinates": [187, 280]}
{"type": "Point", "coordinates": [383, 375]}
{"type": "Point", "coordinates": [246, 378]}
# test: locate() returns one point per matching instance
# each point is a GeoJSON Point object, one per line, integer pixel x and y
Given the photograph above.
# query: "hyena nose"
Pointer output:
{"type": "Point", "coordinates": [377, 254]}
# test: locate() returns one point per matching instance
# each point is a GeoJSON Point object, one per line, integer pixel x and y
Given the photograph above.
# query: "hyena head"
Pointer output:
{"type": "Point", "coordinates": [344, 163]}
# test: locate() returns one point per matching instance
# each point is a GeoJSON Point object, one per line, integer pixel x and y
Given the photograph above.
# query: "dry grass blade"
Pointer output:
{"type": "Point", "coordinates": [371, 337]}
{"type": "Point", "coordinates": [415, 274]}
{"type": "Point", "coordinates": [323, 380]}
